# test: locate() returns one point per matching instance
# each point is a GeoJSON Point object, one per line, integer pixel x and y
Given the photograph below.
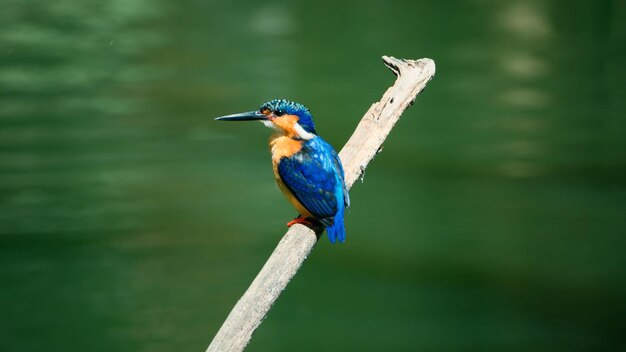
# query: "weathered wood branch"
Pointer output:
{"type": "Point", "coordinates": [297, 243]}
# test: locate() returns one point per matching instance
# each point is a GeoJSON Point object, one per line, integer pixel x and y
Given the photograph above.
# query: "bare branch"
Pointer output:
{"type": "Point", "coordinates": [297, 243]}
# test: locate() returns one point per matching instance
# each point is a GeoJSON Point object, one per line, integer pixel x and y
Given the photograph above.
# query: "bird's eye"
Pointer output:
{"type": "Point", "coordinates": [279, 113]}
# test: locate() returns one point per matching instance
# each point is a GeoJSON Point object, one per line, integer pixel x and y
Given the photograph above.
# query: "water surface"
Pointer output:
{"type": "Point", "coordinates": [131, 221]}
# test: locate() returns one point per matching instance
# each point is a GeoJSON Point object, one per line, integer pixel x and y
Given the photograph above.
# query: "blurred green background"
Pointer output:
{"type": "Point", "coordinates": [494, 219]}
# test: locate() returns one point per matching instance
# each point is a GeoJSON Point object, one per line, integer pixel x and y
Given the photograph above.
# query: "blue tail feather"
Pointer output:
{"type": "Point", "coordinates": [337, 231]}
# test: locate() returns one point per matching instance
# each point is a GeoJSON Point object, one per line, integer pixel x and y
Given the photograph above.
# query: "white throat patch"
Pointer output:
{"type": "Point", "coordinates": [269, 124]}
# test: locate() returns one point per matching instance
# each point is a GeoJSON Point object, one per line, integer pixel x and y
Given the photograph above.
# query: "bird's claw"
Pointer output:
{"type": "Point", "coordinates": [300, 220]}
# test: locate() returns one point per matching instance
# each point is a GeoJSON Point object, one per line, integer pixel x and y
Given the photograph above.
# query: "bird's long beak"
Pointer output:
{"type": "Point", "coordinates": [244, 116]}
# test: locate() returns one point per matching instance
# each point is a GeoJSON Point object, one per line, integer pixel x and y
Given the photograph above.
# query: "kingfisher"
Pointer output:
{"type": "Point", "coordinates": [306, 168]}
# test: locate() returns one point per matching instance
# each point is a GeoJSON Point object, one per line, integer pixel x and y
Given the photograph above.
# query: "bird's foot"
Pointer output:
{"type": "Point", "coordinates": [301, 220]}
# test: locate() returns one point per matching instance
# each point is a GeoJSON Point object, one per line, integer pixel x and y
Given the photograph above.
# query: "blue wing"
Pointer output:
{"type": "Point", "coordinates": [312, 176]}
{"type": "Point", "coordinates": [339, 166]}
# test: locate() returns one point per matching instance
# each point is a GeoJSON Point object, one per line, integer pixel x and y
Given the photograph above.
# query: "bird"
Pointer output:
{"type": "Point", "coordinates": [306, 168]}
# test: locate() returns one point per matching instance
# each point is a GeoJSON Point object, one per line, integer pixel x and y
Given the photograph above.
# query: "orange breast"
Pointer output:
{"type": "Point", "coordinates": [283, 146]}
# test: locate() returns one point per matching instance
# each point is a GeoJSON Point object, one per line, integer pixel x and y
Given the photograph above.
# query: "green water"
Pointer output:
{"type": "Point", "coordinates": [494, 219]}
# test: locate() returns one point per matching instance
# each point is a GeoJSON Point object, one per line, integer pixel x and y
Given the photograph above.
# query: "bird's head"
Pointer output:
{"type": "Point", "coordinates": [287, 117]}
